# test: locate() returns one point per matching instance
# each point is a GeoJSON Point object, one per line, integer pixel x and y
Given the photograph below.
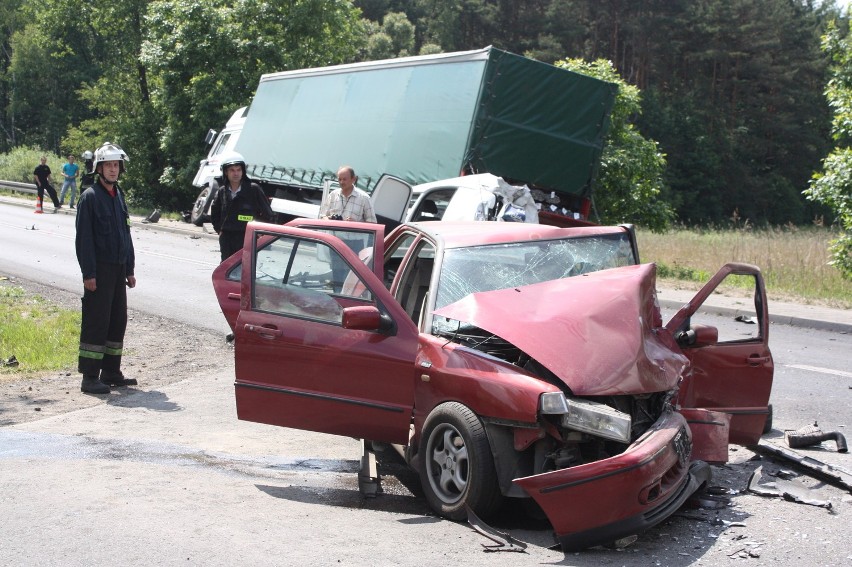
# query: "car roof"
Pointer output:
{"type": "Point", "coordinates": [460, 234]}
{"type": "Point", "coordinates": [472, 181]}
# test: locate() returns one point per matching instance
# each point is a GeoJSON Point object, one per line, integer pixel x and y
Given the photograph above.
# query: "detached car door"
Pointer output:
{"type": "Point", "coordinates": [320, 344]}
{"type": "Point", "coordinates": [732, 366]}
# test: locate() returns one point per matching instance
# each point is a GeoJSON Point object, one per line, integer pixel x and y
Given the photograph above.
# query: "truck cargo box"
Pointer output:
{"type": "Point", "coordinates": [430, 117]}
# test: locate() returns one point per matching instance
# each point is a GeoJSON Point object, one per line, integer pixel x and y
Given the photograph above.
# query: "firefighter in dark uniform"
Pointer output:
{"type": "Point", "coordinates": [237, 201]}
{"type": "Point", "coordinates": [106, 257]}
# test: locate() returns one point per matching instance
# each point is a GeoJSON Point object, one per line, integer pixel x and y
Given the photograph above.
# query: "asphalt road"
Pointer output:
{"type": "Point", "coordinates": [172, 477]}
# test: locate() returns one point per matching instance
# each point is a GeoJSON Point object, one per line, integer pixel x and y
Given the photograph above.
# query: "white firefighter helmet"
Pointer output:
{"type": "Point", "coordinates": [110, 152]}
{"type": "Point", "coordinates": [87, 155]}
{"type": "Point", "coordinates": [232, 158]}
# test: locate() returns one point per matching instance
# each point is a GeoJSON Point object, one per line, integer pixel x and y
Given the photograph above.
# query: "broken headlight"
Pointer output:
{"type": "Point", "coordinates": [587, 416]}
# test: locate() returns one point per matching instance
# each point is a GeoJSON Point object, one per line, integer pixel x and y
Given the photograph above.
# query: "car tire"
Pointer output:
{"type": "Point", "coordinates": [201, 208]}
{"type": "Point", "coordinates": [456, 465]}
{"type": "Point", "coordinates": [767, 426]}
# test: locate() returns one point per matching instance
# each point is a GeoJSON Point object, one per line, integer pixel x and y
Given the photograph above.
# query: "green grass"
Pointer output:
{"type": "Point", "coordinates": [18, 165]}
{"type": "Point", "coordinates": [40, 335]}
{"type": "Point", "coordinates": [794, 261]}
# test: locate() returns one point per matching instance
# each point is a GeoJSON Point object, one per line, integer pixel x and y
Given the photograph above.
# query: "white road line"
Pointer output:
{"type": "Point", "coordinates": [179, 258]}
{"type": "Point", "coordinates": [821, 370]}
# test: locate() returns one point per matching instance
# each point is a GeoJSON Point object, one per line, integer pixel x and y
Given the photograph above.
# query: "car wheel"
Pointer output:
{"type": "Point", "coordinates": [199, 214]}
{"type": "Point", "coordinates": [767, 426]}
{"type": "Point", "coordinates": [457, 467]}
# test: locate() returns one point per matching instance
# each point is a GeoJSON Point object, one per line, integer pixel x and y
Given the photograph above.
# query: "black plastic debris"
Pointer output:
{"type": "Point", "coordinates": [153, 217]}
{"type": "Point", "coordinates": [789, 490]}
{"type": "Point", "coordinates": [812, 467]}
{"type": "Point", "coordinates": [746, 319]}
{"type": "Point", "coordinates": [502, 541]}
{"type": "Point", "coordinates": [10, 362]}
{"type": "Point", "coordinates": [812, 435]}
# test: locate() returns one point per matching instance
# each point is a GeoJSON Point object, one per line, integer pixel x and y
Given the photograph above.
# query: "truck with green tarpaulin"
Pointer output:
{"type": "Point", "coordinates": [426, 118]}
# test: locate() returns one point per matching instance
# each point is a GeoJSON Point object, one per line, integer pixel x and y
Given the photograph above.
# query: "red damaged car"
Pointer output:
{"type": "Point", "coordinates": [507, 360]}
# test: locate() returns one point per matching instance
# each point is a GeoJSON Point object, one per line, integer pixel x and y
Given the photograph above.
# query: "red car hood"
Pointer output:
{"type": "Point", "coordinates": [600, 333]}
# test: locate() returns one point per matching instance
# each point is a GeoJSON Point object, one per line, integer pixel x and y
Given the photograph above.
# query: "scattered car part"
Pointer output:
{"type": "Point", "coordinates": [812, 435]}
{"type": "Point", "coordinates": [835, 475]}
{"type": "Point", "coordinates": [502, 541]}
{"type": "Point", "coordinates": [786, 489]}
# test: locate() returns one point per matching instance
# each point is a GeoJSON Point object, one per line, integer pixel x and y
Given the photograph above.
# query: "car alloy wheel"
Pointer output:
{"type": "Point", "coordinates": [457, 465]}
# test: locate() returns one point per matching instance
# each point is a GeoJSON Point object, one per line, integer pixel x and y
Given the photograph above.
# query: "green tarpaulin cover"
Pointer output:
{"type": "Point", "coordinates": [429, 117]}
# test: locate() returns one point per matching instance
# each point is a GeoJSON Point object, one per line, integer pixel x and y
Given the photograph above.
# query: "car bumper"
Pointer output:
{"type": "Point", "coordinates": [607, 500]}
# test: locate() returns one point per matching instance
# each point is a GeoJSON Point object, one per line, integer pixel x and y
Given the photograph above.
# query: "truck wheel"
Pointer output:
{"type": "Point", "coordinates": [767, 426]}
{"type": "Point", "coordinates": [457, 467]}
{"type": "Point", "coordinates": [200, 209]}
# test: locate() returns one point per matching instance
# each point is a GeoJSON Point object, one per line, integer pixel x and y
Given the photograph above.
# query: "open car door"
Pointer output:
{"type": "Point", "coordinates": [320, 344]}
{"type": "Point", "coordinates": [390, 198]}
{"type": "Point", "coordinates": [731, 363]}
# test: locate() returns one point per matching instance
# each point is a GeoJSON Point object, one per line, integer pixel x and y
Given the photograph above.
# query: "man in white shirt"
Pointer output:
{"type": "Point", "coordinates": [348, 203]}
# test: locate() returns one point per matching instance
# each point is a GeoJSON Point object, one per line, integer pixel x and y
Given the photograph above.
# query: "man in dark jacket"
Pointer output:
{"type": "Point", "coordinates": [41, 175]}
{"type": "Point", "coordinates": [107, 260]}
{"type": "Point", "coordinates": [237, 201]}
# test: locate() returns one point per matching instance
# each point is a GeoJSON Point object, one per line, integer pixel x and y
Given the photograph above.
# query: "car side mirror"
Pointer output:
{"type": "Point", "coordinates": [698, 336]}
{"type": "Point", "coordinates": [366, 318]}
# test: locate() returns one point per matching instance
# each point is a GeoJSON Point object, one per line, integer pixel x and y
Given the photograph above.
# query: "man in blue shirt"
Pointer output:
{"type": "Point", "coordinates": [69, 173]}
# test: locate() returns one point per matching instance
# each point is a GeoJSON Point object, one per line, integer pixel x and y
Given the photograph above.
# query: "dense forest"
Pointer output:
{"type": "Point", "coordinates": [731, 92]}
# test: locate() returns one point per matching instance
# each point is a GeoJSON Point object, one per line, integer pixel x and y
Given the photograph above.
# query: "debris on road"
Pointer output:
{"type": "Point", "coordinates": [812, 435]}
{"type": "Point", "coordinates": [788, 489]}
{"type": "Point", "coordinates": [834, 475]}
{"type": "Point", "coordinates": [502, 541]}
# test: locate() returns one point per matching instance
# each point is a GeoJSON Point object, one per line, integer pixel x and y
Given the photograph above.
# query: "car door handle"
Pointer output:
{"type": "Point", "coordinates": [265, 331]}
{"type": "Point", "coordinates": [757, 360]}
{"type": "Point", "coordinates": [234, 296]}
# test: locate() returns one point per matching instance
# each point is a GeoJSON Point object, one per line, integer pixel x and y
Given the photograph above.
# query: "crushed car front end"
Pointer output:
{"type": "Point", "coordinates": [605, 500]}
{"type": "Point", "coordinates": [609, 455]}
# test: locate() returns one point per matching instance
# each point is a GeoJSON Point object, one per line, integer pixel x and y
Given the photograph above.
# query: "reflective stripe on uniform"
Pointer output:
{"type": "Point", "coordinates": [95, 352]}
{"type": "Point", "coordinates": [113, 348]}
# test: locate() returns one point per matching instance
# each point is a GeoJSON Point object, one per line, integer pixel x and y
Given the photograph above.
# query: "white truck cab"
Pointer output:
{"type": "Point", "coordinates": [209, 167]}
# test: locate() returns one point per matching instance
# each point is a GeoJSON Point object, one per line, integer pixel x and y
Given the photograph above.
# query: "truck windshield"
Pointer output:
{"type": "Point", "coordinates": [487, 268]}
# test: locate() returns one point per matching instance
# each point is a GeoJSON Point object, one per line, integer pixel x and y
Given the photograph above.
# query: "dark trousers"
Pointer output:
{"type": "Point", "coordinates": [230, 241]}
{"type": "Point", "coordinates": [104, 322]}
{"type": "Point", "coordinates": [50, 191]}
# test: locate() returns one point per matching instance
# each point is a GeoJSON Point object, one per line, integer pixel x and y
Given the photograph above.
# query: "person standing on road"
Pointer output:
{"type": "Point", "coordinates": [69, 172]}
{"type": "Point", "coordinates": [237, 201]}
{"type": "Point", "coordinates": [41, 176]}
{"type": "Point", "coordinates": [348, 203]}
{"type": "Point", "coordinates": [107, 260]}
{"type": "Point", "coordinates": [88, 177]}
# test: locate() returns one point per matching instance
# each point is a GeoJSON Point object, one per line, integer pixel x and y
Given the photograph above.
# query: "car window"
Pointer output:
{"type": "Point", "coordinates": [223, 142]}
{"type": "Point", "coordinates": [360, 242]}
{"type": "Point", "coordinates": [433, 205]}
{"type": "Point", "coordinates": [300, 277]}
{"type": "Point", "coordinates": [413, 287]}
{"type": "Point", "coordinates": [394, 256]}
{"type": "Point", "coordinates": [486, 268]}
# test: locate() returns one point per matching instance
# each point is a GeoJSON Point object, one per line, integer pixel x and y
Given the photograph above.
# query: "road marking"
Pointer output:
{"type": "Point", "coordinates": [821, 370]}
{"type": "Point", "coordinates": [170, 257]}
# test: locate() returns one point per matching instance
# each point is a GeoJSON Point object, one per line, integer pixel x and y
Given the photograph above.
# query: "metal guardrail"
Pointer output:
{"type": "Point", "coordinates": [19, 187]}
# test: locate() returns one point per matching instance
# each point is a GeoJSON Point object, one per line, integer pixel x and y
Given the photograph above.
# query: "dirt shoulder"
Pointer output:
{"type": "Point", "coordinates": [158, 351]}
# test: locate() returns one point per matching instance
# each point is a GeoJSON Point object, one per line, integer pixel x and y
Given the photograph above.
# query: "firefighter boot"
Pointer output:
{"type": "Point", "coordinates": [116, 379]}
{"type": "Point", "coordinates": [91, 385]}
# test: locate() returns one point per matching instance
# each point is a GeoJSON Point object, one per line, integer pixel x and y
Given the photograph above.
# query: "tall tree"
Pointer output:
{"type": "Point", "coordinates": [52, 56]}
{"type": "Point", "coordinates": [209, 56]}
{"type": "Point", "coordinates": [833, 186]}
{"type": "Point", "coordinates": [630, 186]}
